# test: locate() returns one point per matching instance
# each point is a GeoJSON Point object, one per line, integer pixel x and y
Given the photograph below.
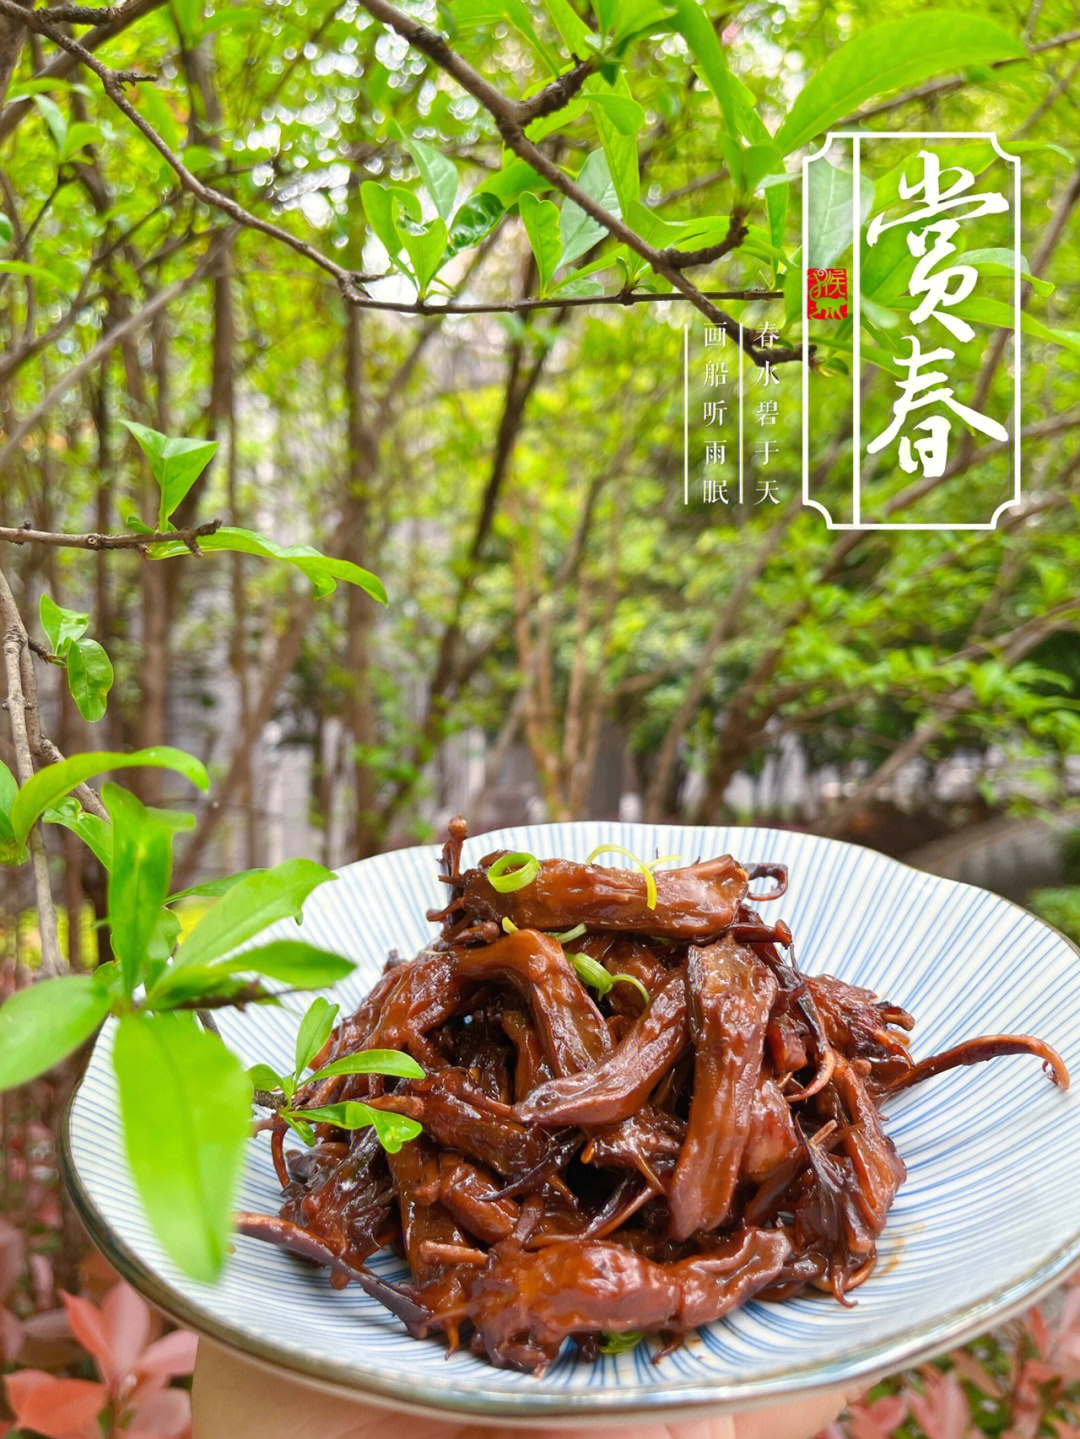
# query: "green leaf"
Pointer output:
{"type": "Point", "coordinates": [292, 961]}
{"type": "Point", "coordinates": [315, 1029]}
{"type": "Point", "coordinates": [996, 312]}
{"type": "Point", "coordinates": [32, 272]}
{"type": "Point", "coordinates": [426, 248]}
{"type": "Point", "coordinates": [175, 463]}
{"type": "Point", "coordinates": [185, 1104]}
{"type": "Point", "coordinates": [44, 1023]}
{"type": "Point", "coordinates": [580, 231]}
{"type": "Point", "coordinates": [378, 205]}
{"type": "Point", "coordinates": [90, 677]}
{"type": "Point", "coordinates": [477, 217]}
{"type": "Point", "coordinates": [54, 119]}
{"type": "Point", "coordinates": [213, 888]}
{"type": "Point", "coordinates": [62, 627]}
{"type": "Point", "coordinates": [493, 12]}
{"type": "Point", "coordinates": [620, 148]}
{"type": "Point", "coordinates": [437, 172]}
{"type": "Point", "coordinates": [156, 108]}
{"type": "Point", "coordinates": [251, 904]}
{"type": "Point", "coordinates": [1002, 262]}
{"type": "Point", "coordinates": [9, 788]}
{"type": "Point", "coordinates": [888, 56]}
{"type": "Point", "coordinates": [828, 194]}
{"type": "Point", "coordinates": [393, 1130]}
{"type": "Point", "coordinates": [541, 221]}
{"type": "Point", "coordinates": [624, 112]}
{"type": "Point", "coordinates": [138, 880]}
{"type": "Point", "coordinates": [78, 136]}
{"type": "Point", "coordinates": [372, 1061]}
{"type": "Point", "coordinates": [7, 230]}
{"type": "Point", "coordinates": [694, 25]}
{"type": "Point", "coordinates": [95, 833]}
{"type": "Point", "coordinates": [56, 780]}
{"type": "Point", "coordinates": [573, 31]}
{"type": "Point", "coordinates": [263, 1077]}
{"type": "Point", "coordinates": [322, 570]}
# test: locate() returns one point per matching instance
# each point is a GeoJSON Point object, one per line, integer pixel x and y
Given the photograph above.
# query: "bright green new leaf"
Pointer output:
{"type": "Point", "coordinates": [43, 1023]}
{"type": "Point", "coordinates": [263, 1077]}
{"type": "Point", "coordinates": [694, 25]}
{"type": "Point", "coordinates": [94, 832]}
{"type": "Point", "coordinates": [90, 677]}
{"type": "Point", "coordinates": [9, 788]}
{"type": "Point", "coordinates": [322, 570]}
{"type": "Point", "coordinates": [314, 1031]}
{"type": "Point", "coordinates": [138, 880]}
{"type": "Point", "coordinates": [439, 175]}
{"type": "Point", "coordinates": [829, 196]}
{"type": "Point", "coordinates": [185, 1104]}
{"type": "Point", "coordinates": [291, 961]}
{"type": "Point", "coordinates": [212, 888]}
{"type": "Point", "coordinates": [7, 230]}
{"type": "Point", "coordinates": [32, 272]}
{"type": "Point", "coordinates": [56, 780]}
{"type": "Point", "coordinates": [61, 626]}
{"type": "Point", "coordinates": [250, 905]}
{"type": "Point", "coordinates": [888, 56]}
{"type": "Point", "coordinates": [373, 1061]}
{"type": "Point", "coordinates": [175, 463]}
{"type": "Point", "coordinates": [624, 112]}
{"type": "Point", "coordinates": [425, 246]}
{"type": "Point", "coordinates": [79, 135]}
{"type": "Point", "coordinates": [477, 217]}
{"type": "Point", "coordinates": [54, 118]}
{"type": "Point", "coordinates": [579, 231]}
{"type": "Point", "coordinates": [393, 1130]}
{"type": "Point", "coordinates": [541, 221]}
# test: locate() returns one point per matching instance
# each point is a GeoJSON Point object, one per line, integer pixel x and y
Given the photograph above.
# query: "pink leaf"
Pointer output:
{"type": "Point", "coordinates": [56, 1408]}
{"type": "Point", "coordinates": [879, 1419]}
{"type": "Point", "coordinates": [12, 1255]}
{"type": "Point", "coordinates": [169, 1357]}
{"type": "Point", "coordinates": [88, 1327]}
{"type": "Point", "coordinates": [942, 1412]}
{"type": "Point", "coordinates": [128, 1322]}
{"type": "Point", "coordinates": [163, 1416]}
{"type": "Point", "coordinates": [11, 1337]}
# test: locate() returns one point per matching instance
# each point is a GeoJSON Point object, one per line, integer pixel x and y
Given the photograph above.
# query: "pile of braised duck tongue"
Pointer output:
{"type": "Point", "coordinates": [636, 1112]}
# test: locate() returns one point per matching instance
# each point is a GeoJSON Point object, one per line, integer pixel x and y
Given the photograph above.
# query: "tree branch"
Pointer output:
{"type": "Point", "coordinates": [112, 82]}
{"type": "Point", "coordinates": [24, 535]}
{"type": "Point", "coordinates": [114, 337]}
{"type": "Point", "coordinates": [505, 113]}
{"type": "Point", "coordinates": [18, 708]}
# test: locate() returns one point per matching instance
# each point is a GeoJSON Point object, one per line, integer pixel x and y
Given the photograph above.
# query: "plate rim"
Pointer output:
{"type": "Point", "coordinates": [473, 1400]}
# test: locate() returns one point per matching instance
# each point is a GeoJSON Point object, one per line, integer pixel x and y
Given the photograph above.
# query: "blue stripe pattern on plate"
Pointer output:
{"type": "Point", "coordinates": [987, 1219]}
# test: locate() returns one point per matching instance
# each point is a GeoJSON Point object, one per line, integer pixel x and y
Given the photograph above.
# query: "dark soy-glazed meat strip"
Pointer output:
{"type": "Point", "coordinates": [619, 1085]}
{"type": "Point", "coordinates": [538, 1298]}
{"type": "Point", "coordinates": [571, 1029]}
{"type": "Point", "coordinates": [692, 903]}
{"type": "Point", "coordinates": [599, 1160]}
{"type": "Point", "coordinates": [730, 993]}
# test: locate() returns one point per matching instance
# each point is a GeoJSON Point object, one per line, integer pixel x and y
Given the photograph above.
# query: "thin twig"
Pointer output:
{"type": "Point", "coordinates": [506, 114]}
{"type": "Point", "coordinates": [190, 536]}
{"type": "Point", "coordinates": [14, 638]}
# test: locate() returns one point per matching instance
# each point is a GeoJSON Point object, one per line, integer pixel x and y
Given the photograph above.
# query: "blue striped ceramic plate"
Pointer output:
{"type": "Point", "coordinates": [987, 1221]}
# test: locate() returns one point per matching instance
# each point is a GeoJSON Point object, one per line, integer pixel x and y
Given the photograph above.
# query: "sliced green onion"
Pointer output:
{"type": "Point", "coordinates": [523, 869]}
{"type": "Point", "coordinates": [650, 880]}
{"type": "Point", "coordinates": [591, 972]}
{"type": "Point", "coordinates": [564, 936]}
{"type": "Point", "coordinates": [509, 927]}
{"type": "Point", "coordinates": [632, 979]}
{"type": "Point", "coordinates": [621, 1343]}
